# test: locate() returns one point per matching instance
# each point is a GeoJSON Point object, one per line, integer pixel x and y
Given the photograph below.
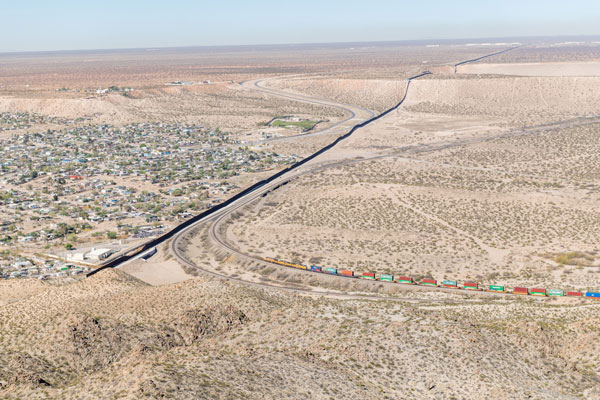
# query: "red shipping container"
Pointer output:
{"type": "Point", "coordinates": [345, 272]}
{"type": "Point", "coordinates": [431, 281]}
{"type": "Point", "coordinates": [369, 274]}
{"type": "Point", "coordinates": [574, 294]}
{"type": "Point", "coordinates": [520, 290]}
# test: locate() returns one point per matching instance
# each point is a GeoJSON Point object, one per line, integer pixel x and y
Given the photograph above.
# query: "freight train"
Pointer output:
{"type": "Point", "coordinates": [407, 280]}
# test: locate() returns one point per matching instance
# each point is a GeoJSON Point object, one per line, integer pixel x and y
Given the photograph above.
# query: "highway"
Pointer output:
{"type": "Point", "coordinates": [221, 211]}
{"type": "Point", "coordinates": [411, 150]}
{"type": "Point", "coordinates": [355, 113]}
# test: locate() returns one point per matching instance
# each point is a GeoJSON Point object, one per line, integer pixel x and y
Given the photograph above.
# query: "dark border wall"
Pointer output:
{"type": "Point", "coordinates": [154, 242]}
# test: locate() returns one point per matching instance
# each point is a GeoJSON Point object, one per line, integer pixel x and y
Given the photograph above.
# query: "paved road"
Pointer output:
{"type": "Point", "coordinates": [411, 150]}
{"type": "Point", "coordinates": [354, 113]}
{"type": "Point", "coordinates": [292, 173]}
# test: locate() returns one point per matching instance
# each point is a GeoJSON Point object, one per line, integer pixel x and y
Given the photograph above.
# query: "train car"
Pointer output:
{"type": "Point", "coordinates": [331, 271]}
{"type": "Point", "coordinates": [538, 292]}
{"type": "Point", "coordinates": [450, 284]}
{"type": "Point", "coordinates": [574, 293]}
{"type": "Point", "coordinates": [368, 275]}
{"type": "Point", "coordinates": [406, 279]}
{"type": "Point", "coordinates": [348, 273]}
{"type": "Point", "coordinates": [520, 290]}
{"type": "Point", "coordinates": [556, 292]}
{"type": "Point", "coordinates": [300, 266]}
{"type": "Point", "coordinates": [429, 282]}
{"type": "Point", "coordinates": [316, 268]}
{"type": "Point", "coordinates": [470, 286]}
{"type": "Point", "coordinates": [594, 295]}
{"type": "Point", "coordinates": [386, 278]}
{"type": "Point", "coordinates": [496, 288]}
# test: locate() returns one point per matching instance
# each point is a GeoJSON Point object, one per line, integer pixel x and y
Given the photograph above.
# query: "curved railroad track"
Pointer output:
{"type": "Point", "coordinates": [221, 211]}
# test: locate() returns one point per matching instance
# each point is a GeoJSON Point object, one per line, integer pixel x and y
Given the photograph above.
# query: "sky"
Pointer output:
{"type": "Point", "coordinates": [42, 25]}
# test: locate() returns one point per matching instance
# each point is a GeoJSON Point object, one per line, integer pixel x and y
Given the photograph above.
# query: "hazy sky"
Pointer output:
{"type": "Point", "coordinates": [95, 24]}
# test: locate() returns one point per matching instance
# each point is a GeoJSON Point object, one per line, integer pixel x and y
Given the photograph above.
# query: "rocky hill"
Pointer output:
{"type": "Point", "coordinates": [112, 336]}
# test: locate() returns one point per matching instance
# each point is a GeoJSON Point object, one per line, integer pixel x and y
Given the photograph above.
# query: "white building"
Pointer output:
{"type": "Point", "coordinates": [99, 254]}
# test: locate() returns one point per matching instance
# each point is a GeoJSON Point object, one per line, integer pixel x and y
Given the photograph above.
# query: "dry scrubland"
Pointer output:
{"type": "Point", "coordinates": [450, 186]}
{"type": "Point", "coordinates": [488, 191]}
{"type": "Point", "coordinates": [112, 336]}
{"type": "Point", "coordinates": [375, 94]}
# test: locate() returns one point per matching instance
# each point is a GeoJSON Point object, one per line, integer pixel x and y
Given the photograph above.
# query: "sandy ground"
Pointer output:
{"type": "Point", "coordinates": [589, 68]}
{"type": "Point", "coordinates": [160, 269]}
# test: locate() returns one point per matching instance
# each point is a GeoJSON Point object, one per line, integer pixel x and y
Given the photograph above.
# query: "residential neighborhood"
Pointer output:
{"type": "Point", "coordinates": [85, 185]}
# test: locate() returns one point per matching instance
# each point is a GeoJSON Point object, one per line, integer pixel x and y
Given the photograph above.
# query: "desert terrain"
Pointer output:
{"type": "Point", "coordinates": [490, 174]}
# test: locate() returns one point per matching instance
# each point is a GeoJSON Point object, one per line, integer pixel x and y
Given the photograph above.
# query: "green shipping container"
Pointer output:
{"type": "Point", "coordinates": [555, 292]}
{"type": "Point", "coordinates": [497, 288]}
{"type": "Point", "coordinates": [332, 271]}
{"type": "Point", "coordinates": [387, 278]}
{"type": "Point", "coordinates": [449, 283]}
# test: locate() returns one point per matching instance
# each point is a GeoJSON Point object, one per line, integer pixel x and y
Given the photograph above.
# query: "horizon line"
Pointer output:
{"type": "Point", "coordinates": [15, 52]}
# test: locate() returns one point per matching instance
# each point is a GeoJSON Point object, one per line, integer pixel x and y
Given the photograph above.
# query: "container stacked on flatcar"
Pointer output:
{"type": "Point", "coordinates": [433, 282]}
{"type": "Point", "coordinates": [316, 268]}
{"type": "Point", "coordinates": [520, 290]}
{"type": "Point", "coordinates": [538, 292]}
{"type": "Point", "coordinates": [406, 279]}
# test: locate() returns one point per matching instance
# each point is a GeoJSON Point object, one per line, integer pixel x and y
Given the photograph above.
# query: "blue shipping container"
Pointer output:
{"type": "Point", "coordinates": [592, 294]}
{"type": "Point", "coordinates": [315, 268]}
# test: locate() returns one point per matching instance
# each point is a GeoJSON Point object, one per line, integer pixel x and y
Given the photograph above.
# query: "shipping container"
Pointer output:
{"type": "Point", "coordinates": [520, 290]}
{"type": "Point", "coordinates": [368, 275]}
{"type": "Point", "coordinates": [346, 272]}
{"type": "Point", "coordinates": [332, 271]}
{"type": "Point", "coordinates": [592, 294]}
{"type": "Point", "coordinates": [496, 288]}
{"type": "Point", "coordinates": [429, 282]}
{"type": "Point", "coordinates": [405, 279]}
{"type": "Point", "coordinates": [555, 292]}
{"type": "Point", "coordinates": [387, 278]}
{"type": "Point", "coordinates": [577, 294]}
{"type": "Point", "coordinates": [538, 292]}
{"type": "Point", "coordinates": [471, 286]}
{"type": "Point", "coordinates": [316, 268]}
{"type": "Point", "coordinates": [450, 284]}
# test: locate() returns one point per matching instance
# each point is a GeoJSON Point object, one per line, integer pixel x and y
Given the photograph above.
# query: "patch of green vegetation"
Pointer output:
{"type": "Point", "coordinates": [573, 258]}
{"type": "Point", "coordinates": [305, 125]}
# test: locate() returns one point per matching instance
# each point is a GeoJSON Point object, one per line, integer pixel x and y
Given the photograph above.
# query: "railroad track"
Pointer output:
{"type": "Point", "coordinates": [219, 212]}
{"type": "Point", "coordinates": [216, 237]}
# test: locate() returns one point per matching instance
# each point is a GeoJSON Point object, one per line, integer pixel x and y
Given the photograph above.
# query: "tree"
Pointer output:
{"type": "Point", "coordinates": [111, 235]}
{"type": "Point", "coordinates": [69, 246]}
